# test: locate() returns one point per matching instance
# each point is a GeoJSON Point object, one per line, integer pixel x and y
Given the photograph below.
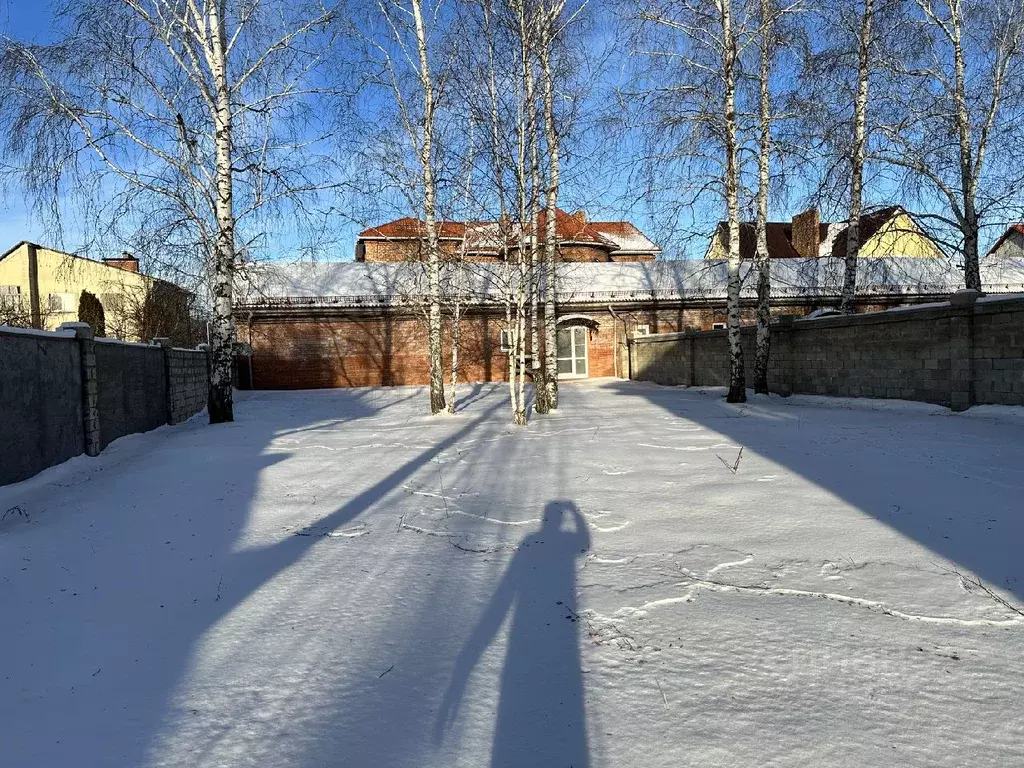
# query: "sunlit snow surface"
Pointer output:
{"type": "Point", "coordinates": [337, 579]}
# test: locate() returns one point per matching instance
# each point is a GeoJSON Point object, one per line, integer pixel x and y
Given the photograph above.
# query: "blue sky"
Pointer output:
{"type": "Point", "coordinates": [605, 197]}
{"type": "Point", "coordinates": [25, 19]}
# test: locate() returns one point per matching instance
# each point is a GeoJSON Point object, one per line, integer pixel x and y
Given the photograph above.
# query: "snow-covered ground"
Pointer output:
{"type": "Point", "coordinates": [338, 580]}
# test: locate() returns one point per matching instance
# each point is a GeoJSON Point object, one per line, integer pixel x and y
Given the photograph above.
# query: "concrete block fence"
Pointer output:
{"type": "Point", "coordinates": [958, 353]}
{"type": "Point", "coordinates": [66, 393]}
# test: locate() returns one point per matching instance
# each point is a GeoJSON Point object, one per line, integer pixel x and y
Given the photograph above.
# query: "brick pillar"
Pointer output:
{"type": "Point", "coordinates": [205, 348]}
{"type": "Point", "coordinates": [165, 348]}
{"type": "Point", "coordinates": [961, 349]}
{"type": "Point", "coordinates": [782, 340]}
{"type": "Point", "coordinates": [691, 369]}
{"type": "Point", "coordinates": [90, 386]}
{"type": "Point", "coordinates": [33, 285]}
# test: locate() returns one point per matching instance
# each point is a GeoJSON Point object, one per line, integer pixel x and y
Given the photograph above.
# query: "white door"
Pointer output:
{"type": "Point", "coordinates": [572, 352]}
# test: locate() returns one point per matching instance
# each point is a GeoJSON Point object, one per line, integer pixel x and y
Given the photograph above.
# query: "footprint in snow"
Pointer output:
{"type": "Point", "coordinates": [831, 571]}
{"type": "Point", "coordinates": [599, 522]}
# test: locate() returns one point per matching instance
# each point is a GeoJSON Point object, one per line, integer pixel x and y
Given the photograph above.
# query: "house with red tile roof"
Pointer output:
{"type": "Point", "coordinates": [356, 323]}
{"type": "Point", "coordinates": [579, 239]}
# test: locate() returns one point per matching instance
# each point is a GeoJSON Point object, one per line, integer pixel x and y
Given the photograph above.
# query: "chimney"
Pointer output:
{"type": "Point", "coordinates": [124, 261]}
{"type": "Point", "coordinates": [806, 235]}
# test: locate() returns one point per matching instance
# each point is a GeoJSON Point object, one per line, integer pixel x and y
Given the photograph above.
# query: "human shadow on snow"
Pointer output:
{"type": "Point", "coordinates": [541, 714]}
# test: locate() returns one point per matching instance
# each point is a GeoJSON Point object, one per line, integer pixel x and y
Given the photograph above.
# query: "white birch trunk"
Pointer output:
{"type": "Point", "coordinates": [430, 218]}
{"type": "Point", "coordinates": [860, 106]}
{"type": "Point", "coordinates": [762, 259]}
{"type": "Point", "coordinates": [550, 234]}
{"type": "Point", "coordinates": [537, 371]}
{"type": "Point", "coordinates": [513, 392]}
{"type": "Point", "coordinates": [456, 332]}
{"type": "Point", "coordinates": [737, 391]}
{"type": "Point", "coordinates": [222, 328]}
{"type": "Point", "coordinates": [968, 178]}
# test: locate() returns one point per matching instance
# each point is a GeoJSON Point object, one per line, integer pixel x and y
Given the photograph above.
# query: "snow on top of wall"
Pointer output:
{"type": "Point", "coordinates": [10, 329]}
{"type": "Point", "coordinates": [392, 282]}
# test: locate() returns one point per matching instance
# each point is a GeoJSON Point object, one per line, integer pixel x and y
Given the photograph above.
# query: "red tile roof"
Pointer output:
{"type": "Point", "coordinates": [569, 227]}
{"type": "Point", "coordinates": [407, 227]}
{"type": "Point", "coordinates": [1017, 229]}
{"type": "Point", "coordinates": [780, 235]}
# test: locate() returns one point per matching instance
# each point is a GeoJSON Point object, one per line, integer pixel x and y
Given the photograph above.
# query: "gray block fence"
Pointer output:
{"type": "Point", "coordinates": [959, 353]}
{"type": "Point", "coordinates": [65, 393]}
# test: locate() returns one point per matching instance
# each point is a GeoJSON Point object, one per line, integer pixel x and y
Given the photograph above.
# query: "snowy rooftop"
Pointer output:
{"type": "Point", "coordinates": [378, 284]}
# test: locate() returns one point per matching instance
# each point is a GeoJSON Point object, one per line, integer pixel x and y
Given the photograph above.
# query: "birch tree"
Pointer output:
{"type": "Point", "coordinates": [686, 89]}
{"type": "Point", "coordinates": [955, 96]}
{"type": "Point", "coordinates": [841, 121]}
{"type": "Point", "coordinates": [858, 150]}
{"type": "Point", "coordinates": [404, 46]}
{"type": "Point", "coordinates": [527, 191]}
{"type": "Point", "coordinates": [729, 46]}
{"type": "Point", "coordinates": [762, 259]}
{"type": "Point", "coordinates": [547, 400]}
{"type": "Point", "coordinates": [188, 117]}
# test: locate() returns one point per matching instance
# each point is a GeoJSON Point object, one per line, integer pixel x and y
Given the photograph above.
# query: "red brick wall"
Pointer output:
{"type": "Point", "coordinates": [407, 250]}
{"type": "Point", "coordinates": [309, 353]}
{"type": "Point", "coordinates": [582, 253]}
{"type": "Point", "coordinates": [399, 250]}
{"type": "Point", "coordinates": [357, 352]}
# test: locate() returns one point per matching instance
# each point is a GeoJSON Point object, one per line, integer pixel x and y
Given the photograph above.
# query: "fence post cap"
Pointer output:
{"type": "Point", "coordinates": [81, 330]}
{"type": "Point", "coordinates": [965, 297]}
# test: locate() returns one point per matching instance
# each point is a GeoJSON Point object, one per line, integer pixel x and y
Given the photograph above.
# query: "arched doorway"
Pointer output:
{"type": "Point", "coordinates": [571, 352]}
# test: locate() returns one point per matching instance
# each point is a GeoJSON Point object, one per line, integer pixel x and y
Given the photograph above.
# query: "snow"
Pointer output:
{"type": "Point", "coordinates": [15, 331]}
{"type": "Point", "coordinates": [378, 284]}
{"type": "Point", "coordinates": [337, 579]}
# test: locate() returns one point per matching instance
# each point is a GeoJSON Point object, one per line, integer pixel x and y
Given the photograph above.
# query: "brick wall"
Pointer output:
{"type": "Point", "coordinates": [131, 389]}
{"type": "Point", "coordinates": [361, 348]}
{"type": "Point", "coordinates": [64, 393]}
{"type": "Point", "coordinates": [947, 354]}
{"type": "Point", "coordinates": [40, 402]}
{"type": "Point", "coordinates": [410, 250]}
{"type": "Point", "coordinates": [188, 380]}
{"type": "Point", "coordinates": [303, 353]}
{"type": "Point", "coordinates": [583, 253]}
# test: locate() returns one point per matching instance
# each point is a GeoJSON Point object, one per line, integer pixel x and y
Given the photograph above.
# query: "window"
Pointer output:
{"type": "Point", "coordinates": [572, 352]}
{"type": "Point", "coordinates": [718, 326]}
{"type": "Point", "coordinates": [506, 342]}
{"type": "Point", "coordinates": [10, 297]}
{"type": "Point", "coordinates": [62, 302]}
{"type": "Point", "coordinates": [642, 330]}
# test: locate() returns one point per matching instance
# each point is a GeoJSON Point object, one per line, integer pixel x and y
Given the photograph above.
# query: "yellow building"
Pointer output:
{"type": "Point", "coordinates": [41, 288]}
{"type": "Point", "coordinates": [885, 232]}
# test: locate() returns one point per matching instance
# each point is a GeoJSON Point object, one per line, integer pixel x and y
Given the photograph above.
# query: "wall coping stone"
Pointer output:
{"type": "Point", "coordinates": [990, 305]}
{"type": "Point", "coordinates": [81, 330]}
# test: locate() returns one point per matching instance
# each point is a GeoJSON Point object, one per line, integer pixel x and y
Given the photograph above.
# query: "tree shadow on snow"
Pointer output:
{"type": "Point", "coordinates": [541, 719]}
{"type": "Point", "coordinates": [961, 502]}
{"type": "Point", "coordinates": [167, 567]}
